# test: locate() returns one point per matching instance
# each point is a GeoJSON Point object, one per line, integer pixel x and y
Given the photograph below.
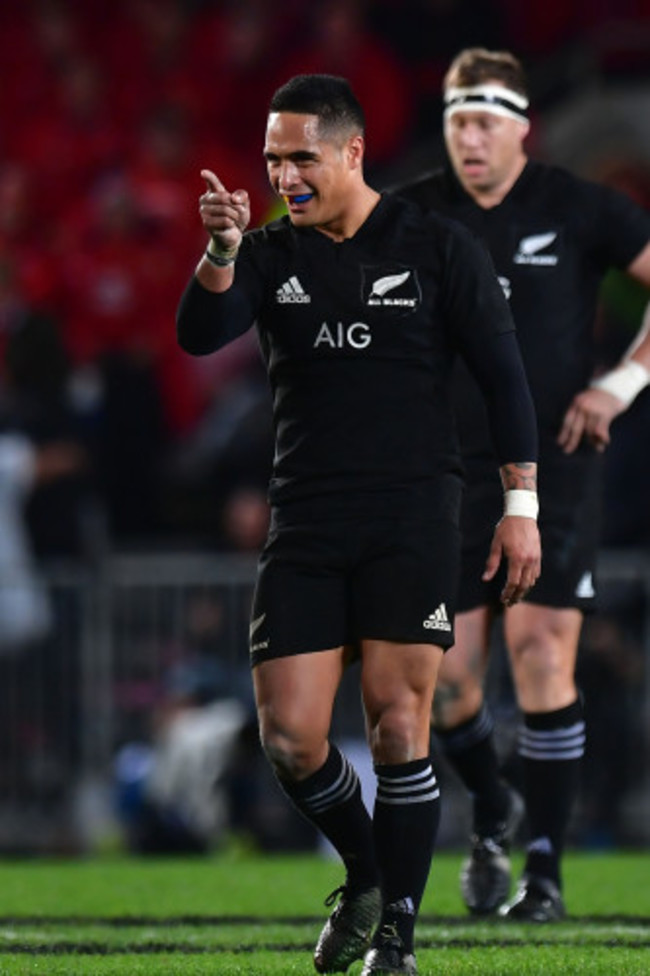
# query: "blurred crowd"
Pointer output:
{"type": "Point", "coordinates": [107, 113]}
{"type": "Point", "coordinates": [110, 436]}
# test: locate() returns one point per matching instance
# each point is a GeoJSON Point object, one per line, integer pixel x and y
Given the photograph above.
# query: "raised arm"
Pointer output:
{"type": "Point", "coordinates": [212, 312]}
{"type": "Point", "coordinates": [225, 216]}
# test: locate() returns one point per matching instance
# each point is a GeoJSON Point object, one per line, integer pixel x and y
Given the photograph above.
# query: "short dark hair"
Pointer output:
{"type": "Point", "coordinates": [477, 65]}
{"type": "Point", "coordinates": [328, 97]}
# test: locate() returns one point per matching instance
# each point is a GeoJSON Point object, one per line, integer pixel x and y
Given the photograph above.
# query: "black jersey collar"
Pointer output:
{"type": "Point", "coordinates": [371, 226]}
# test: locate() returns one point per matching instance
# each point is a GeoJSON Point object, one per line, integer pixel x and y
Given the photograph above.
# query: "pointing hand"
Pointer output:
{"type": "Point", "coordinates": [224, 215]}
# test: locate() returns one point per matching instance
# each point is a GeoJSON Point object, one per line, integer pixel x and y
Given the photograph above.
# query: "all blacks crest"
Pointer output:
{"type": "Point", "coordinates": [391, 286]}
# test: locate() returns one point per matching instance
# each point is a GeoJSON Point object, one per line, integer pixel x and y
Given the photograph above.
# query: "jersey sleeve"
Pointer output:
{"type": "Point", "coordinates": [483, 332]}
{"type": "Point", "coordinates": [621, 227]}
{"type": "Point", "coordinates": [206, 321]}
{"type": "Point", "coordinates": [498, 369]}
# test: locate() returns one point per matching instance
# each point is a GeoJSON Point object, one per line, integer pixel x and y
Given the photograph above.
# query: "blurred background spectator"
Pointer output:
{"type": "Point", "coordinates": [110, 109]}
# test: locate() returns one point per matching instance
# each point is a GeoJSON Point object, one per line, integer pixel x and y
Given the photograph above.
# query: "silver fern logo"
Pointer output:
{"type": "Point", "coordinates": [528, 249]}
{"type": "Point", "coordinates": [391, 288]}
{"type": "Point", "coordinates": [389, 283]}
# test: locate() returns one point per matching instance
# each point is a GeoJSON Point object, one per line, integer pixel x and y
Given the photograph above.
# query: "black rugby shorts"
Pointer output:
{"type": "Point", "coordinates": [327, 584]}
{"type": "Point", "coordinates": [569, 524]}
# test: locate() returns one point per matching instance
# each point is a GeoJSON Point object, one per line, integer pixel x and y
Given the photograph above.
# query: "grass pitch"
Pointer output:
{"type": "Point", "coordinates": [245, 915]}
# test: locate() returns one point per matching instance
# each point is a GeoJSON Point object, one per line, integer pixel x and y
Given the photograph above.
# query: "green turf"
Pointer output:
{"type": "Point", "coordinates": [251, 915]}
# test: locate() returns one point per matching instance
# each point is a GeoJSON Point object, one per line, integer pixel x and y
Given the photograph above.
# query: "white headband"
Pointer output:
{"type": "Point", "coordinates": [487, 98]}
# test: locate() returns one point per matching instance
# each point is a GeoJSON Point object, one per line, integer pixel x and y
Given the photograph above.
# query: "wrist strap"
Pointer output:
{"type": "Point", "coordinates": [522, 502]}
{"type": "Point", "coordinates": [217, 260]}
{"type": "Point", "coordinates": [625, 382]}
{"type": "Point", "coordinates": [223, 258]}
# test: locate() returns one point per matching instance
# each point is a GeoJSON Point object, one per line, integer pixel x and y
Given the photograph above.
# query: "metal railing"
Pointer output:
{"type": "Point", "coordinates": [123, 632]}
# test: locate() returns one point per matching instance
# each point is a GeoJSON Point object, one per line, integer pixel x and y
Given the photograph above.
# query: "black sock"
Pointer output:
{"type": "Point", "coordinates": [551, 745]}
{"type": "Point", "coordinates": [469, 747]}
{"type": "Point", "coordinates": [406, 817]}
{"type": "Point", "coordinates": [331, 799]}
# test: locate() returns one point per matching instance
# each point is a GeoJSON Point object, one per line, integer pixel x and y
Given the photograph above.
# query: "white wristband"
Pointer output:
{"type": "Point", "coordinates": [625, 382]}
{"type": "Point", "coordinates": [518, 501]}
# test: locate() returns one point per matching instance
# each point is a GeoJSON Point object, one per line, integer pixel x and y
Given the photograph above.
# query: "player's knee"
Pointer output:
{"type": "Point", "coordinates": [541, 658]}
{"type": "Point", "coordinates": [455, 702]}
{"type": "Point", "coordinates": [398, 735]}
{"type": "Point", "coordinates": [290, 751]}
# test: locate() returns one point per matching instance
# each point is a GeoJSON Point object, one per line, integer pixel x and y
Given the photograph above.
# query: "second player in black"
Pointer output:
{"type": "Point", "coordinates": [552, 237]}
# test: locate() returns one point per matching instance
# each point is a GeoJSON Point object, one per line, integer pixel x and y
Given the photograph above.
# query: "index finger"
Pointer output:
{"type": "Point", "coordinates": [213, 182]}
{"type": "Point", "coordinates": [567, 424]}
{"type": "Point", "coordinates": [572, 431]}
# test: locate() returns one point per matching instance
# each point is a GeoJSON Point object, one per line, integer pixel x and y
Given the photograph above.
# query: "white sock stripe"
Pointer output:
{"type": "Point", "coordinates": [552, 741]}
{"type": "Point", "coordinates": [574, 743]}
{"type": "Point", "coordinates": [456, 740]}
{"type": "Point", "coordinates": [387, 790]}
{"type": "Point", "coordinates": [388, 787]}
{"type": "Point", "coordinates": [327, 804]}
{"type": "Point", "coordinates": [424, 774]}
{"type": "Point", "coordinates": [576, 753]}
{"type": "Point", "coordinates": [419, 788]}
{"type": "Point", "coordinates": [404, 801]}
{"type": "Point", "coordinates": [340, 790]}
{"type": "Point", "coordinates": [557, 744]}
{"type": "Point", "coordinates": [544, 735]}
{"type": "Point", "coordinates": [483, 724]}
{"type": "Point", "coordinates": [411, 791]}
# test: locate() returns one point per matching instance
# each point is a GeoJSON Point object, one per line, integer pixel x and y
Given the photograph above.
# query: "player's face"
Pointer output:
{"type": "Point", "coordinates": [485, 149]}
{"type": "Point", "coordinates": [312, 174]}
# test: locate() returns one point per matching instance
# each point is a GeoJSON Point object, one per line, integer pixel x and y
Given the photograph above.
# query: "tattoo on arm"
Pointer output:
{"type": "Point", "coordinates": [519, 475]}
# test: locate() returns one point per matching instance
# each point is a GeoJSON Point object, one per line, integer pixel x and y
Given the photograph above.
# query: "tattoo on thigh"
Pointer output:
{"type": "Point", "coordinates": [444, 696]}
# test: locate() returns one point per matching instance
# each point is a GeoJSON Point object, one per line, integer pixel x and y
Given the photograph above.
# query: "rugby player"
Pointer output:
{"type": "Point", "coordinates": [361, 302]}
{"type": "Point", "coordinates": [552, 238]}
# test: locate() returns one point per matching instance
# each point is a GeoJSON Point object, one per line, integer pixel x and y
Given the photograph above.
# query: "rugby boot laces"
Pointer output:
{"type": "Point", "coordinates": [485, 875]}
{"type": "Point", "coordinates": [347, 933]}
{"type": "Point", "coordinates": [538, 899]}
{"type": "Point", "coordinates": [387, 957]}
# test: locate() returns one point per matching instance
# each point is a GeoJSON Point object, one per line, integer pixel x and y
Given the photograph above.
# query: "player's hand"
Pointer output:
{"type": "Point", "coordinates": [590, 415]}
{"type": "Point", "coordinates": [224, 215]}
{"type": "Point", "coordinates": [517, 540]}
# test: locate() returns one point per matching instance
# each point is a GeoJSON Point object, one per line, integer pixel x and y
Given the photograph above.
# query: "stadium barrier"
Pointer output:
{"type": "Point", "coordinates": [142, 631]}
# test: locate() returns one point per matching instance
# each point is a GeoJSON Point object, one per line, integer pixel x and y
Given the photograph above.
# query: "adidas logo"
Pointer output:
{"type": "Point", "coordinates": [529, 248]}
{"type": "Point", "coordinates": [438, 620]}
{"type": "Point", "coordinates": [585, 588]}
{"type": "Point", "coordinates": [292, 293]}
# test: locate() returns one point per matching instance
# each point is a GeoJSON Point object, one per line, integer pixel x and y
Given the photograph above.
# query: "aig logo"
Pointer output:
{"type": "Point", "coordinates": [340, 336]}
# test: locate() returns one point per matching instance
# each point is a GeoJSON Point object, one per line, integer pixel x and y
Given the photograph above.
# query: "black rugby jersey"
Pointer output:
{"type": "Point", "coordinates": [358, 339]}
{"type": "Point", "coordinates": [551, 239]}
